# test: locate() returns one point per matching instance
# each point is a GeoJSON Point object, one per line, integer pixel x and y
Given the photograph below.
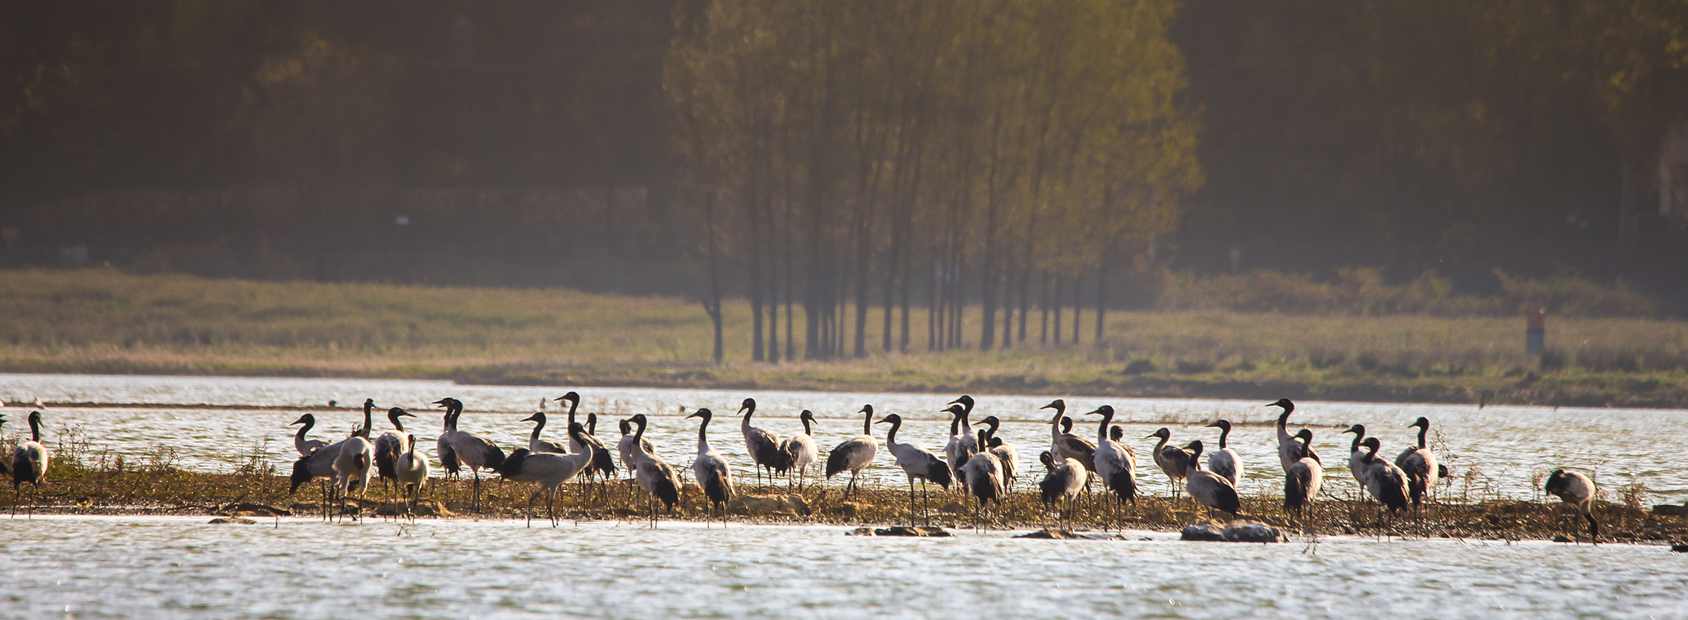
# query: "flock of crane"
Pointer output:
{"type": "Point", "coordinates": [976, 460]}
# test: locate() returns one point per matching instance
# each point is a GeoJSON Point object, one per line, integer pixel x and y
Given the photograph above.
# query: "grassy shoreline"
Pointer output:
{"type": "Point", "coordinates": [256, 491]}
{"type": "Point", "coordinates": [103, 321]}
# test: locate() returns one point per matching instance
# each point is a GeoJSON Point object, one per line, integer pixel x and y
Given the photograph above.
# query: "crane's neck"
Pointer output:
{"type": "Point", "coordinates": [574, 403]}
{"type": "Point", "coordinates": [639, 435]}
{"type": "Point", "coordinates": [867, 423]}
{"type": "Point", "coordinates": [1162, 442]}
{"type": "Point", "coordinates": [891, 435]}
{"type": "Point", "coordinates": [592, 424]}
{"type": "Point", "coordinates": [806, 428]}
{"type": "Point", "coordinates": [299, 437]}
{"type": "Point", "coordinates": [1224, 433]}
{"type": "Point", "coordinates": [1283, 421]}
{"type": "Point", "coordinates": [955, 424]}
{"type": "Point", "coordinates": [1102, 429]}
{"type": "Point", "coordinates": [533, 438]}
{"type": "Point", "coordinates": [368, 419]}
{"type": "Point", "coordinates": [1354, 446]}
{"type": "Point", "coordinates": [35, 429]}
{"type": "Point", "coordinates": [744, 423]}
{"type": "Point", "coordinates": [396, 423]}
{"type": "Point", "coordinates": [703, 437]}
{"type": "Point", "coordinates": [1422, 430]}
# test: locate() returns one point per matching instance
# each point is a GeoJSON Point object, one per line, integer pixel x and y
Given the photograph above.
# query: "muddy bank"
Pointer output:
{"type": "Point", "coordinates": [262, 493]}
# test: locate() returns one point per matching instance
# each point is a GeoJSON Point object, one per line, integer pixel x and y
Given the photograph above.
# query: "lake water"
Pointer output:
{"type": "Point", "coordinates": [212, 422]}
{"type": "Point", "coordinates": [176, 567]}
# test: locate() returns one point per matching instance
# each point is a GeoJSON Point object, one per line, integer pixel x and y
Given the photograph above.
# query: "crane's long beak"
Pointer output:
{"type": "Point", "coordinates": [1093, 412]}
{"type": "Point", "coordinates": [884, 420]}
{"type": "Point", "coordinates": [441, 402]}
{"type": "Point", "coordinates": [694, 415]}
{"type": "Point", "coordinates": [1150, 436]}
{"type": "Point", "coordinates": [531, 419]}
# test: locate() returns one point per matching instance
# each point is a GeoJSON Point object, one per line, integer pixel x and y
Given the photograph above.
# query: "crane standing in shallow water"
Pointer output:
{"type": "Point", "coordinates": [1063, 482]}
{"type": "Point", "coordinates": [800, 450]}
{"type": "Point", "coordinates": [472, 450]}
{"type": "Point", "coordinates": [549, 469]}
{"type": "Point", "coordinates": [412, 475]}
{"type": "Point", "coordinates": [916, 463]}
{"type": "Point", "coordinates": [353, 464]}
{"type": "Point", "coordinates": [983, 479]}
{"type": "Point", "coordinates": [655, 475]}
{"type": "Point", "coordinates": [1302, 481]}
{"type": "Point", "coordinates": [1420, 465]}
{"type": "Point", "coordinates": [710, 469]}
{"type": "Point", "coordinates": [1115, 463]}
{"type": "Point", "coordinates": [388, 446]}
{"type": "Point", "coordinates": [1174, 461]}
{"type": "Point", "coordinates": [1208, 488]}
{"type": "Point", "coordinates": [29, 465]}
{"type": "Point", "coordinates": [763, 446]}
{"type": "Point", "coordinates": [853, 454]}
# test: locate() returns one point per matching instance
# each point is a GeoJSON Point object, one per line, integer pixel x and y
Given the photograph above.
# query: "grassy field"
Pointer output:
{"type": "Point", "coordinates": [106, 321]}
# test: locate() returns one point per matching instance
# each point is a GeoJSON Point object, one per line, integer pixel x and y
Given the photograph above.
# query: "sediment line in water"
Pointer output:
{"type": "Point", "coordinates": [73, 489]}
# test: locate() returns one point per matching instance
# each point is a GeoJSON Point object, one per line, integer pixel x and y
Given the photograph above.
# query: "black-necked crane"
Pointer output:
{"type": "Point", "coordinates": [1289, 450]}
{"type": "Point", "coordinates": [300, 443]}
{"type": "Point", "coordinates": [1173, 461]}
{"type": "Point", "coordinates": [915, 462]}
{"type": "Point", "coordinates": [1115, 463]}
{"type": "Point", "coordinates": [655, 476]}
{"type": "Point", "coordinates": [1384, 480]}
{"type": "Point", "coordinates": [1357, 458]}
{"type": "Point", "coordinates": [1302, 481]}
{"type": "Point", "coordinates": [710, 469]}
{"type": "Point", "coordinates": [1005, 453]}
{"type": "Point", "coordinates": [449, 465]}
{"type": "Point", "coordinates": [763, 446]}
{"type": "Point", "coordinates": [537, 445]}
{"type": "Point", "coordinates": [353, 466]}
{"type": "Point", "coordinates": [983, 477]}
{"type": "Point", "coordinates": [1577, 490]}
{"type": "Point", "coordinates": [412, 475]}
{"type": "Point", "coordinates": [1063, 482]}
{"type": "Point", "coordinates": [388, 446]}
{"type": "Point", "coordinates": [800, 450]}
{"type": "Point", "coordinates": [1063, 442]}
{"type": "Point", "coordinates": [602, 466]}
{"type": "Point", "coordinates": [29, 465]}
{"type": "Point", "coordinates": [473, 451]}
{"type": "Point", "coordinates": [961, 445]}
{"type": "Point", "coordinates": [1419, 463]}
{"type": "Point", "coordinates": [1225, 461]}
{"type": "Point", "coordinates": [318, 464]}
{"type": "Point", "coordinates": [549, 469]}
{"type": "Point", "coordinates": [1208, 488]}
{"type": "Point", "coordinates": [631, 446]}
{"type": "Point", "coordinates": [853, 454]}
{"type": "Point", "coordinates": [368, 420]}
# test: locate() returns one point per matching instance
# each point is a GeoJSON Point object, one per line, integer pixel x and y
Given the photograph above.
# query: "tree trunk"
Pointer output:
{"type": "Point", "coordinates": [712, 302]}
{"type": "Point", "coordinates": [1101, 298]}
{"type": "Point", "coordinates": [1043, 285]}
{"type": "Point", "coordinates": [1078, 305]}
{"type": "Point", "coordinates": [1059, 305]}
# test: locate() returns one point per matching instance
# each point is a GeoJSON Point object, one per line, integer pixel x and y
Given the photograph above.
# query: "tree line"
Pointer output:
{"type": "Point", "coordinates": [1002, 154]}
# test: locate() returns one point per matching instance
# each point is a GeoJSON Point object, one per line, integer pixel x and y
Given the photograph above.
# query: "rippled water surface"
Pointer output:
{"type": "Point", "coordinates": [212, 421]}
{"type": "Point", "coordinates": [121, 567]}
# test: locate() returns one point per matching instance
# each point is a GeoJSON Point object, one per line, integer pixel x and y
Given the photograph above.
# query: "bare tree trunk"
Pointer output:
{"type": "Point", "coordinates": [712, 302]}
{"type": "Point", "coordinates": [1059, 305]}
{"type": "Point", "coordinates": [1101, 297]}
{"type": "Point", "coordinates": [1078, 306]}
{"type": "Point", "coordinates": [1043, 285]}
{"type": "Point", "coordinates": [1007, 307]}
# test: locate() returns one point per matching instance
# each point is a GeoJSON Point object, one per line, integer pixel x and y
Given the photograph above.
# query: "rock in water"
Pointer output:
{"type": "Point", "coordinates": [1679, 547]}
{"type": "Point", "coordinates": [902, 530]}
{"type": "Point", "coordinates": [1253, 532]}
{"type": "Point", "coordinates": [1206, 532]}
{"type": "Point", "coordinates": [232, 520]}
{"type": "Point", "coordinates": [1236, 531]}
{"type": "Point", "coordinates": [1049, 533]}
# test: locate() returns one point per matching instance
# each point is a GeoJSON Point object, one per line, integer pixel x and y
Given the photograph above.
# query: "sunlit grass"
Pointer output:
{"type": "Point", "coordinates": [99, 320]}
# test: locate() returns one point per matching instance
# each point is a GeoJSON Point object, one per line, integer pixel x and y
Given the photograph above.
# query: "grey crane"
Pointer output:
{"type": "Point", "coordinates": [915, 463]}
{"type": "Point", "coordinates": [853, 454]}
{"type": "Point", "coordinates": [30, 461]}
{"type": "Point", "coordinates": [1225, 461]}
{"type": "Point", "coordinates": [1173, 461]}
{"type": "Point", "coordinates": [710, 469]}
